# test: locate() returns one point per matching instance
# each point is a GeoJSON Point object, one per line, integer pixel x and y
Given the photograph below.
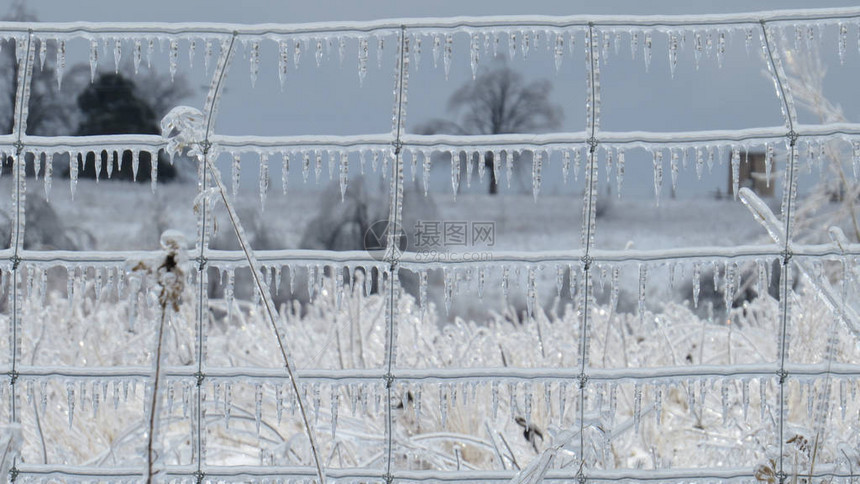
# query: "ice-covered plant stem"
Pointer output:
{"type": "Point", "coordinates": [168, 273]}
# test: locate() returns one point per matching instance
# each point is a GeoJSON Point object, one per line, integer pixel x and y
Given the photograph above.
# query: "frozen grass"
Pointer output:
{"type": "Point", "coordinates": [461, 424]}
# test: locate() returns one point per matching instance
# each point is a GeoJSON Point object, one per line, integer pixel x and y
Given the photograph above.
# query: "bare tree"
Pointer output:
{"type": "Point", "coordinates": [498, 101]}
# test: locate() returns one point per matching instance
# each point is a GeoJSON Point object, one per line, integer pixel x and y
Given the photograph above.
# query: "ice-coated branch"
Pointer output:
{"type": "Point", "coordinates": [180, 126]}
{"type": "Point", "coordinates": [823, 289]}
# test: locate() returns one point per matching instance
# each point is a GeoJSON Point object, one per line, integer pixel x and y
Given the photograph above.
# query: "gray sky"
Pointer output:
{"type": "Point", "coordinates": [329, 100]}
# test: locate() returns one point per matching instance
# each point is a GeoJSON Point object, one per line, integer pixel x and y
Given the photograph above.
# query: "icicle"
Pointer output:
{"type": "Point", "coordinates": [762, 388]}
{"type": "Point", "coordinates": [768, 161]}
{"type": "Point", "coordinates": [674, 169]}
{"type": "Point", "coordinates": [843, 399]}
{"type": "Point", "coordinates": [443, 403]}
{"type": "Point", "coordinates": [422, 292]}
{"type": "Point", "coordinates": [426, 165]}
{"type": "Point", "coordinates": [94, 59]}
{"type": "Point", "coordinates": [73, 172]}
{"type": "Point", "coordinates": [696, 284]}
{"type": "Point", "coordinates": [344, 174]}
{"type": "Point", "coordinates": [658, 174]}
{"type": "Point", "coordinates": [474, 55]}
{"type": "Point", "coordinates": [254, 61]}
{"type": "Point", "coordinates": [264, 179]}
{"type": "Point", "coordinates": [192, 49]}
{"type": "Point", "coordinates": [448, 277]}
{"type": "Point", "coordinates": [150, 48]}
{"type": "Point", "coordinates": [318, 54]}
{"type": "Point", "coordinates": [505, 281]}
{"type": "Point", "coordinates": [48, 177]}
{"type": "Point", "coordinates": [285, 170]}
{"type": "Point", "coordinates": [729, 289]}
{"type": "Point", "coordinates": [572, 275]}
{"type": "Point", "coordinates": [647, 54]}
{"type": "Point", "coordinates": [70, 395]}
{"type": "Point", "coordinates": [117, 55]}
{"type": "Point", "coordinates": [565, 165]}
{"type": "Point", "coordinates": [558, 52]}
{"type": "Point", "coordinates": [497, 165]}
{"type": "Point", "coordinates": [331, 163]}
{"type": "Point", "coordinates": [362, 59]}
{"type": "Point", "coordinates": [559, 280]}
{"type": "Point", "coordinates": [482, 164]}
{"type": "Point", "coordinates": [736, 170]}
{"type": "Point", "coordinates": [673, 53]}
{"type": "Point", "coordinates": [527, 403]}
{"type": "Point", "coordinates": [526, 44]}
{"type": "Point", "coordinates": [721, 48]}
{"type": "Point", "coordinates": [537, 161]}
{"type": "Point", "coordinates": [228, 403]}
{"type": "Point", "coordinates": [481, 280]}
{"type": "Point", "coordinates": [643, 278]}
{"type": "Point", "coordinates": [745, 396]}
{"type": "Point", "coordinates": [512, 45]}
{"type": "Point", "coordinates": [447, 54]}
{"type": "Point", "coordinates": [258, 406]}
{"type": "Point", "coordinates": [577, 161]}
{"type": "Point", "coordinates": [135, 163]}
{"type": "Point", "coordinates": [61, 62]}
{"type": "Point", "coordinates": [318, 165]}
{"type": "Point", "coordinates": [494, 396]}
{"type": "Point", "coordinates": [637, 405]}
{"type": "Point", "coordinates": [297, 53]}
{"type": "Point", "coordinates": [455, 172]}
{"type": "Point", "coordinates": [283, 60]}
{"type": "Point", "coordinates": [469, 169]}
{"type": "Point", "coordinates": [153, 157]}
{"type": "Point", "coordinates": [236, 169]}
{"type": "Point", "coordinates": [173, 55]}
{"type": "Point", "coordinates": [509, 167]}
{"type": "Point", "coordinates": [228, 294]}
{"type": "Point", "coordinates": [306, 164]}
{"type": "Point", "coordinates": [634, 44]}
{"type": "Point", "coordinates": [619, 169]}
{"type": "Point", "coordinates": [843, 42]}
{"type": "Point", "coordinates": [531, 296]}
{"type": "Point", "coordinates": [380, 47]}
{"type": "Point", "coordinates": [697, 48]}
{"type": "Point", "coordinates": [658, 404]}
{"type": "Point", "coordinates": [43, 52]}
{"type": "Point", "coordinates": [700, 163]}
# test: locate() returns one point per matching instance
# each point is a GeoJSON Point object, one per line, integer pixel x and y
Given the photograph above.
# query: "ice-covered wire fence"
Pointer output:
{"type": "Point", "coordinates": [395, 144]}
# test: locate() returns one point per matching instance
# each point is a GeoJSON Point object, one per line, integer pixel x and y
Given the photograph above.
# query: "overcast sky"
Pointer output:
{"type": "Point", "coordinates": [329, 100]}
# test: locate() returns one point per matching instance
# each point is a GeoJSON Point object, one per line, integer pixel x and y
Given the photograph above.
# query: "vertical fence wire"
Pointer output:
{"type": "Point", "coordinates": [592, 62]}
{"type": "Point", "coordinates": [22, 98]}
{"type": "Point", "coordinates": [392, 250]}
{"type": "Point", "coordinates": [209, 112]}
{"type": "Point", "coordinates": [785, 274]}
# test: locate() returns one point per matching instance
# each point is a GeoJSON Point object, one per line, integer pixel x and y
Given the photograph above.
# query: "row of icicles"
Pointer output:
{"type": "Point", "coordinates": [495, 158]}
{"type": "Point", "coordinates": [309, 280]}
{"type": "Point", "coordinates": [559, 398]}
{"type": "Point", "coordinates": [484, 43]}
